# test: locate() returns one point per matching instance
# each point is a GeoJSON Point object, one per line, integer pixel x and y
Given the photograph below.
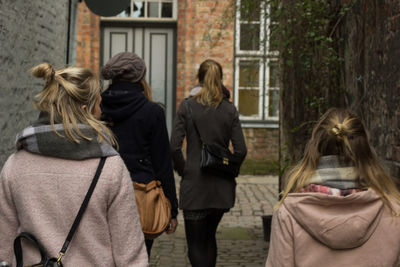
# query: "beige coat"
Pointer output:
{"type": "Point", "coordinates": [41, 195]}
{"type": "Point", "coordinates": [315, 229]}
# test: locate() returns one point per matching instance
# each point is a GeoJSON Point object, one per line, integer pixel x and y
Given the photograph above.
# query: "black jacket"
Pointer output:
{"type": "Point", "coordinates": [219, 125]}
{"type": "Point", "coordinates": [141, 132]}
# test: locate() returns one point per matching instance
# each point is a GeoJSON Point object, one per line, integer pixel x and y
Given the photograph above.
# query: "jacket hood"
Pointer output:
{"type": "Point", "coordinates": [338, 222]}
{"type": "Point", "coordinates": [121, 100]}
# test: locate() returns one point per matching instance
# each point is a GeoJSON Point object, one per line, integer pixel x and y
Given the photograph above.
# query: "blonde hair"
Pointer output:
{"type": "Point", "coordinates": [63, 97]}
{"type": "Point", "coordinates": [340, 132]}
{"type": "Point", "coordinates": [211, 92]}
{"type": "Point", "coordinates": [146, 89]}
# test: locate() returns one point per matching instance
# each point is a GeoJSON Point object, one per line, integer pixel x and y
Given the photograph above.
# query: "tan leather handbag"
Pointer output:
{"type": "Point", "coordinates": [153, 207]}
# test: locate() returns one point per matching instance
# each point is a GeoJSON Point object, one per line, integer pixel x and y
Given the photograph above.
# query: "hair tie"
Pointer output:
{"type": "Point", "coordinates": [53, 73]}
{"type": "Point", "coordinates": [338, 131]}
{"type": "Point", "coordinates": [51, 78]}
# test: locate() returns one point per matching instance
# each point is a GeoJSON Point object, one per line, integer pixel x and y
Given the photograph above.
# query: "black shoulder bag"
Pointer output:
{"type": "Point", "coordinates": [56, 262]}
{"type": "Point", "coordinates": [215, 158]}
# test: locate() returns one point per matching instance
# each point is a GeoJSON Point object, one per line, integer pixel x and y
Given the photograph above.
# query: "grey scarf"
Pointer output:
{"type": "Point", "coordinates": [334, 173]}
{"type": "Point", "coordinates": [40, 138]}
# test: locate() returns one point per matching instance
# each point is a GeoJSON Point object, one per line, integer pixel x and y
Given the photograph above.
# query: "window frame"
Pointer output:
{"type": "Point", "coordinates": [174, 17]}
{"type": "Point", "coordinates": [261, 75]}
{"type": "Point", "coordinates": [265, 56]}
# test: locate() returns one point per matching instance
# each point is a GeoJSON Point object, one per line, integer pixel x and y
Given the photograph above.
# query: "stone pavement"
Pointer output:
{"type": "Point", "coordinates": [239, 235]}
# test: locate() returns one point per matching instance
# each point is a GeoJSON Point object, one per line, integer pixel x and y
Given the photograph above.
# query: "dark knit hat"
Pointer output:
{"type": "Point", "coordinates": [124, 66]}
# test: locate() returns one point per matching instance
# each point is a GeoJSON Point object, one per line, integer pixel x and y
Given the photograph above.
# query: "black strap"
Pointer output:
{"type": "Point", "coordinates": [17, 242]}
{"type": "Point", "coordinates": [194, 123]}
{"type": "Point", "coordinates": [18, 248]}
{"type": "Point", "coordinates": [83, 206]}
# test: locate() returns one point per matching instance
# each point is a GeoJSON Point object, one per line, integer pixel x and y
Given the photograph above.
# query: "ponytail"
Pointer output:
{"type": "Point", "coordinates": [211, 92]}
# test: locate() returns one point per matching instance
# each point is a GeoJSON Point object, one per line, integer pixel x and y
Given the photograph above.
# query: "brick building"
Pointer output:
{"type": "Point", "coordinates": [174, 37]}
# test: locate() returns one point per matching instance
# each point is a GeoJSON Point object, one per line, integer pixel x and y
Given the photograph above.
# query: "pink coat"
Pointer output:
{"type": "Point", "coordinates": [315, 229]}
{"type": "Point", "coordinates": [41, 195]}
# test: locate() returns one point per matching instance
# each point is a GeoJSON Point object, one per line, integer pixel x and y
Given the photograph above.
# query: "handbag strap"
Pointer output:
{"type": "Point", "coordinates": [82, 209]}
{"type": "Point", "coordinates": [194, 122]}
{"type": "Point", "coordinates": [17, 242]}
{"type": "Point", "coordinates": [18, 248]}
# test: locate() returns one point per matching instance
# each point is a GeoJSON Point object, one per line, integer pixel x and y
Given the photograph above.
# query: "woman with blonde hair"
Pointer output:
{"type": "Point", "coordinates": [43, 184]}
{"type": "Point", "coordinates": [340, 208]}
{"type": "Point", "coordinates": [206, 118]}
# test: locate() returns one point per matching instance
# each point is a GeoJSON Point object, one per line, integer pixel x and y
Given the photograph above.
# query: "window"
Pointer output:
{"type": "Point", "coordinates": [256, 63]}
{"type": "Point", "coordinates": [149, 10]}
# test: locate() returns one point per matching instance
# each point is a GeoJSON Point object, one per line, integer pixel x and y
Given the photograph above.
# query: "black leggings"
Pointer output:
{"type": "Point", "coordinates": [200, 237]}
{"type": "Point", "coordinates": [149, 244]}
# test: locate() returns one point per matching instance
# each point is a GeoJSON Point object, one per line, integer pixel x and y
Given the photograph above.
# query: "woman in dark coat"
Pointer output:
{"type": "Point", "coordinates": [139, 126]}
{"type": "Point", "coordinates": [204, 197]}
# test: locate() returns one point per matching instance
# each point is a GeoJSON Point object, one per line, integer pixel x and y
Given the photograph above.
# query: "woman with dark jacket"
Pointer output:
{"type": "Point", "coordinates": [139, 127]}
{"type": "Point", "coordinates": [204, 197]}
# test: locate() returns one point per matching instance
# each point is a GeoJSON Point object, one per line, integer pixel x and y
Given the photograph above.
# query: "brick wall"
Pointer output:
{"type": "Point", "coordinates": [205, 30]}
{"type": "Point", "coordinates": [31, 32]}
{"type": "Point", "coordinates": [88, 39]}
{"type": "Point", "coordinates": [262, 144]}
{"type": "Point", "coordinates": [262, 151]}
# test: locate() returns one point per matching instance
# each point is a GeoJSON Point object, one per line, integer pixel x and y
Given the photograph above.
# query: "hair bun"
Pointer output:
{"type": "Point", "coordinates": [44, 70]}
{"type": "Point", "coordinates": [338, 130]}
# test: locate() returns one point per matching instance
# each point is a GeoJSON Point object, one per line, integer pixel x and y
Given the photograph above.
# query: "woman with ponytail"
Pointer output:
{"type": "Point", "coordinates": [339, 208]}
{"type": "Point", "coordinates": [44, 183]}
{"type": "Point", "coordinates": [204, 196]}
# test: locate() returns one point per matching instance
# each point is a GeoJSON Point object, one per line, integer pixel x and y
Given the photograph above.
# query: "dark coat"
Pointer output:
{"type": "Point", "coordinates": [219, 125]}
{"type": "Point", "coordinates": [141, 132]}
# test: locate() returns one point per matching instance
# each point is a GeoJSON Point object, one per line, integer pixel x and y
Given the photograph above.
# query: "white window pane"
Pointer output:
{"type": "Point", "coordinates": [138, 9]}
{"type": "Point", "coordinates": [249, 102]}
{"type": "Point", "coordinates": [249, 73]}
{"type": "Point", "coordinates": [249, 37]}
{"type": "Point", "coordinates": [152, 9]}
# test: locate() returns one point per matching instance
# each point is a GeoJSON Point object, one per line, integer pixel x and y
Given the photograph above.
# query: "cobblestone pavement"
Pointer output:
{"type": "Point", "coordinates": [239, 235]}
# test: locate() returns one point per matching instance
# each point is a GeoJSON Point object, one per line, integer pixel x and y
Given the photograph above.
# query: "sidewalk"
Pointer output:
{"type": "Point", "coordinates": [240, 233]}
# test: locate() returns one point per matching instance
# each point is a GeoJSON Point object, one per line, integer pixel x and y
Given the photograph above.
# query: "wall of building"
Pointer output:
{"type": "Point", "coordinates": [31, 32]}
{"type": "Point", "coordinates": [205, 30]}
{"type": "Point", "coordinates": [262, 151]}
{"type": "Point", "coordinates": [88, 39]}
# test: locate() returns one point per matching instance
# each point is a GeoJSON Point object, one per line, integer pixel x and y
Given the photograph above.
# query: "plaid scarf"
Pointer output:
{"type": "Point", "coordinates": [40, 138]}
{"type": "Point", "coordinates": [315, 188]}
{"type": "Point", "coordinates": [333, 173]}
